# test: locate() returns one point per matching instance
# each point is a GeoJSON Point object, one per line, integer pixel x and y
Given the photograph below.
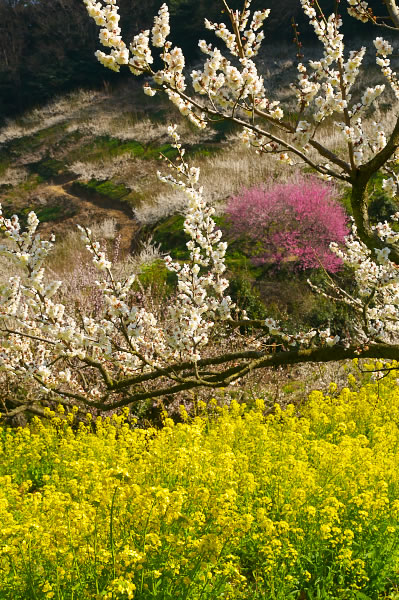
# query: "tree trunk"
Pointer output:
{"type": "Point", "coordinates": [360, 207]}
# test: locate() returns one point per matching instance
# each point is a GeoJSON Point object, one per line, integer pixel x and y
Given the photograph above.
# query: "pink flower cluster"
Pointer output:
{"type": "Point", "coordinates": [291, 223]}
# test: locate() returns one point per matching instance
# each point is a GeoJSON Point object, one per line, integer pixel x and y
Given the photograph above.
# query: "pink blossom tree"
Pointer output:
{"type": "Point", "coordinates": [290, 223]}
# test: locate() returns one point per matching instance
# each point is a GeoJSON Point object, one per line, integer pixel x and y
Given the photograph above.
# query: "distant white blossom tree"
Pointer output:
{"type": "Point", "coordinates": [128, 354]}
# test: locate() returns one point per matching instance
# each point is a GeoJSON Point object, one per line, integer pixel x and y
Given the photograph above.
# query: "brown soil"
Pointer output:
{"type": "Point", "coordinates": [77, 208]}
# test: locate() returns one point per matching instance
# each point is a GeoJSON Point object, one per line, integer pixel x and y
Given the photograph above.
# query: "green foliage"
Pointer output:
{"type": "Point", "coordinates": [325, 310]}
{"type": "Point", "coordinates": [381, 206]}
{"type": "Point", "coordinates": [53, 213]}
{"type": "Point", "coordinates": [156, 275]}
{"type": "Point", "coordinates": [32, 142]}
{"type": "Point", "coordinates": [247, 297]}
{"type": "Point", "coordinates": [286, 296]}
{"type": "Point", "coordinates": [48, 167]}
{"type": "Point", "coordinates": [106, 146]}
{"type": "Point", "coordinates": [108, 189]}
{"type": "Point", "coordinates": [238, 261]}
{"type": "Point", "coordinates": [170, 235]}
{"type": "Point", "coordinates": [345, 198]}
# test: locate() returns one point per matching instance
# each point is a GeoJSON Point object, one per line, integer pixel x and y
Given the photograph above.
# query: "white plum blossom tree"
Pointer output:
{"type": "Point", "coordinates": [128, 354]}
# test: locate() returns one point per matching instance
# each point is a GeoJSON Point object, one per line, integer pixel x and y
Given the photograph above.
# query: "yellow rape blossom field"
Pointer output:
{"type": "Point", "coordinates": [231, 504]}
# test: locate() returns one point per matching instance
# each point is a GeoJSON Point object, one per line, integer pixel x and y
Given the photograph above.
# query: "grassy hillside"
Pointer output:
{"type": "Point", "coordinates": [92, 158]}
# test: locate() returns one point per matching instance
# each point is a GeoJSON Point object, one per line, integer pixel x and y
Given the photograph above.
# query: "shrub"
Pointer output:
{"type": "Point", "coordinates": [291, 223]}
{"type": "Point", "coordinates": [247, 297]}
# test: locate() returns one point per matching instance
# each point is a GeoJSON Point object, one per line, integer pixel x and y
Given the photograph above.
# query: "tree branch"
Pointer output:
{"type": "Point", "coordinates": [257, 360]}
{"type": "Point", "coordinates": [359, 196]}
{"type": "Point", "coordinates": [393, 11]}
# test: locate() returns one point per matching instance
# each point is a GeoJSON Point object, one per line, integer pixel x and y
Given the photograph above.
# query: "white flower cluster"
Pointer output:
{"type": "Point", "coordinates": [172, 76]}
{"type": "Point", "coordinates": [186, 109]}
{"type": "Point", "coordinates": [329, 87]}
{"type": "Point", "coordinates": [201, 284]}
{"type": "Point", "coordinates": [330, 340]}
{"type": "Point", "coordinates": [303, 338]}
{"type": "Point", "coordinates": [236, 89]}
{"type": "Point", "coordinates": [227, 85]}
{"type": "Point", "coordinates": [252, 40]}
{"type": "Point", "coordinates": [391, 186]}
{"type": "Point", "coordinates": [161, 28]}
{"type": "Point", "coordinates": [303, 133]}
{"type": "Point", "coordinates": [307, 87]}
{"type": "Point", "coordinates": [141, 53]}
{"type": "Point", "coordinates": [99, 257]}
{"type": "Point", "coordinates": [356, 137]}
{"type": "Point", "coordinates": [140, 59]}
{"type": "Point", "coordinates": [377, 280]}
{"type": "Point", "coordinates": [220, 80]}
{"type": "Point", "coordinates": [359, 9]}
{"type": "Point", "coordinates": [384, 49]}
{"type": "Point", "coordinates": [261, 143]}
{"type": "Point", "coordinates": [332, 75]}
{"type": "Point", "coordinates": [107, 17]}
{"type": "Point", "coordinates": [41, 337]}
{"type": "Point", "coordinates": [47, 342]}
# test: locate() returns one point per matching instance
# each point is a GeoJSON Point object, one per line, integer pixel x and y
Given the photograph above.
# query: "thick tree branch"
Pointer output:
{"type": "Point", "coordinates": [255, 360]}
{"type": "Point", "coordinates": [322, 150]}
{"type": "Point", "coordinates": [359, 195]}
{"type": "Point", "coordinates": [393, 11]}
{"type": "Point", "coordinates": [379, 160]}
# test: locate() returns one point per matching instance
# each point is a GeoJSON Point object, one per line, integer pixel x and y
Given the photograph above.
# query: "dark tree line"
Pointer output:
{"type": "Point", "coordinates": [47, 46]}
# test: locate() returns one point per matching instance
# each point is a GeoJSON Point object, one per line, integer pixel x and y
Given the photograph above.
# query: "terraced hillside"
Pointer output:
{"type": "Point", "coordinates": [86, 158]}
{"type": "Point", "coordinates": [92, 158]}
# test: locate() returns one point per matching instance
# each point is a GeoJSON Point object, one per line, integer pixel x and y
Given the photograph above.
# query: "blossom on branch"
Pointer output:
{"type": "Point", "coordinates": [127, 354]}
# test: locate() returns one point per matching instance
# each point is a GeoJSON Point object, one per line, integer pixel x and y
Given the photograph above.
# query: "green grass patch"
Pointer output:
{"type": "Point", "coordinates": [156, 274]}
{"type": "Point", "coordinates": [16, 193]}
{"type": "Point", "coordinates": [50, 213]}
{"type": "Point", "coordinates": [238, 262]}
{"type": "Point", "coordinates": [48, 168]}
{"type": "Point", "coordinates": [246, 296]}
{"type": "Point", "coordinates": [170, 235]}
{"type": "Point", "coordinates": [29, 143]}
{"type": "Point", "coordinates": [106, 147]}
{"type": "Point", "coordinates": [45, 214]}
{"type": "Point", "coordinates": [108, 189]}
{"type": "Point", "coordinates": [4, 163]}
{"type": "Point", "coordinates": [242, 273]}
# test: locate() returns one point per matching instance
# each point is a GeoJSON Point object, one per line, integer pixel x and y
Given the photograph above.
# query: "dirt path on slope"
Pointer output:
{"type": "Point", "coordinates": [86, 209]}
